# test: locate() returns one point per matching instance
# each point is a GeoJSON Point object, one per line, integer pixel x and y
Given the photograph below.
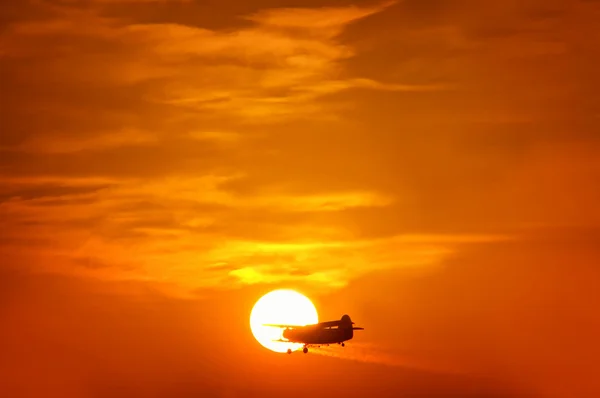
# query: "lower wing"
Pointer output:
{"type": "Point", "coordinates": [282, 326]}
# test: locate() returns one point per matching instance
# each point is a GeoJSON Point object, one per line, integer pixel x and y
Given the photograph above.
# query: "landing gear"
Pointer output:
{"type": "Point", "coordinates": [289, 351]}
{"type": "Point", "coordinates": [305, 349]}
{"type": "Point", "coordinates": [343, 345]}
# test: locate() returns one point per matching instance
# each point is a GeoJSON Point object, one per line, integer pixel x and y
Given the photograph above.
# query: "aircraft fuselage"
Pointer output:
{"type": "Point", "coordinates": [319, 336]}
{"type": "Point", "coordinates": [331, 332]}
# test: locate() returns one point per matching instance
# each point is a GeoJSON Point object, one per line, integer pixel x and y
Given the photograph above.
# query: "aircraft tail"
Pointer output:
{"type": "Point", "coordinates": [347, 324]}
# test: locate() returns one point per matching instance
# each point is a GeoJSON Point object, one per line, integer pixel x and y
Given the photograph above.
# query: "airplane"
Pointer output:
{"type": "Point", "coordinates": [323, 333]}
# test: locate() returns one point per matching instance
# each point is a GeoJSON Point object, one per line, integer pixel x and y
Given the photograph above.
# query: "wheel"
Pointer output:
{"type": "Point", "coordinates": [289, 351]}
{"type": "Point", "coordinates": [343, 345]}
{"type": "Point", "coordinates": [305, 350]}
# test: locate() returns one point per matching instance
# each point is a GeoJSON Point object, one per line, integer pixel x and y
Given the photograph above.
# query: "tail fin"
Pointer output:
{"type": "Point", "coordinates": [346, 322]}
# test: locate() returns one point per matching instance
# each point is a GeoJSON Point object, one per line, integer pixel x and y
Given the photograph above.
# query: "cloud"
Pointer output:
{"type": "Point", "coordinates": [235, 72]}
{"type": "Point", "coordinates": [59, 143]}
{"type": "Point", "coordinates": [175, 229]}
{"type": "Point", "coordinates": [326, 21]}
{"type": "Point", "coordinates": [219, 136]}
{"type": "Point", "coordinates": [135, 1]}
{"type": "Point", "coordinates": [288, 144]}
{"type": "Point", "coordinates": [134, 154]}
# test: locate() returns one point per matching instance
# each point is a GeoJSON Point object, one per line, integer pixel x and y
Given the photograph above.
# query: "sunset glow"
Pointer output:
{"type": "Point", "coordinates": [429, 167]}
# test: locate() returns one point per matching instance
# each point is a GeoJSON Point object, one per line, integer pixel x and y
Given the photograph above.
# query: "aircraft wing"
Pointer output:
{"type": "Point", "coordinates": [329, 324]}
{"type": "Point", "coordinates": [283, 326]}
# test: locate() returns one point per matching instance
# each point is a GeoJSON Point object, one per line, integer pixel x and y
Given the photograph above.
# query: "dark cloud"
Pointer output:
{"type": "Point", "coordinates": [45, 191]}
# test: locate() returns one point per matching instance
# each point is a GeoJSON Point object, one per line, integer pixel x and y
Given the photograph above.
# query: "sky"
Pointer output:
{"type": "Point", "coordinates": [429, 167]}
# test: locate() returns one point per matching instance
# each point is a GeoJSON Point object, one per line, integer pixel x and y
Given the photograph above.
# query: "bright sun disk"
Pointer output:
{"type": "Point", "coordinates": [282, 307]}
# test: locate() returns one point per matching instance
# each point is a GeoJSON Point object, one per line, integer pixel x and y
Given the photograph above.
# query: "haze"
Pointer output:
{"type": "Point", "coordinates": [429, 167]}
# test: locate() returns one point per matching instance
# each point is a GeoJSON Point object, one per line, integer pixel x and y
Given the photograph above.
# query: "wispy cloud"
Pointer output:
{"type": "Point", "coordinates": [62, 143]}
{"type": "Point", "coordinates": [152, 98]}
{"type": "Point", "coordinates": [281, 142]}
{"type": "Point", "coordinates": [176, 229]}
{"type": "Point", "coordinates": [234, 71]}
{"type": "Point", "coordinates": [326, 21]}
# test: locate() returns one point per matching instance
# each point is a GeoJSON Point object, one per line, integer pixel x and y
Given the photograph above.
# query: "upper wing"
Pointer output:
{"type": "Point", "coordinates": [329, 324]}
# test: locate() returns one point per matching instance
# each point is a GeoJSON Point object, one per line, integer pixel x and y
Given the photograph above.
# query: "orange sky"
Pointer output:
{"type": "Point", "coordinates": [430, 167]}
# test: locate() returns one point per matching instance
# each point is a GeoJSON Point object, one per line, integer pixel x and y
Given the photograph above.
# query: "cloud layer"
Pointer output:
{"type": "Point", "coordinates": [122, 137]}
{"type": "Point", "coordinates": [289, 144]}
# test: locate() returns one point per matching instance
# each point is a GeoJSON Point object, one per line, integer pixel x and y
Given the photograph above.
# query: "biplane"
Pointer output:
{"type": "Point", "coordinates": [318, 334]}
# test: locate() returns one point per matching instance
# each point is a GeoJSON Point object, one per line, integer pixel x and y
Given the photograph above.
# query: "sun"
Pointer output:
{"type": "Point", "coordinates": [283, 307]}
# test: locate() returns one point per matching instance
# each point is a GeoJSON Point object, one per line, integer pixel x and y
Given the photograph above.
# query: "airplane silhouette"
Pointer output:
{"type": "Point", "coordinates": [318, 334]}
